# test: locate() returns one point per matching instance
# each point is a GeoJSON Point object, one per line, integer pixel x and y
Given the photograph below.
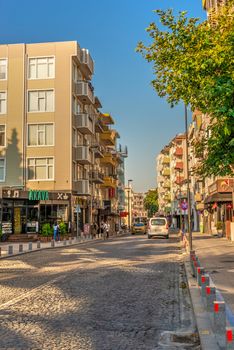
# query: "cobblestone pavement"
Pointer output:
{"type": "Point", "coordinates": [121, 294]}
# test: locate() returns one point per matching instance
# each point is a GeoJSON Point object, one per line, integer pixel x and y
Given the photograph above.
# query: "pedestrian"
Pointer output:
{"type": "Point", "coordinates": [55, 229]}
{"type": "Point", "coordinates": [107, 229]}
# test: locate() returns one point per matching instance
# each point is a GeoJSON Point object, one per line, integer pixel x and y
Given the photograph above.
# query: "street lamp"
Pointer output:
{"type": "Point", "coordinates": [188, 179]}
{"type": "Point", "coordinates": [129, 203]}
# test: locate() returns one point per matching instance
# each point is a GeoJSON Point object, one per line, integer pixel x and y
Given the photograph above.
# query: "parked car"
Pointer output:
{"type": "Point", "coordinates": [139, 227]}
{"type": "Point", "coordinates": [158, 226]}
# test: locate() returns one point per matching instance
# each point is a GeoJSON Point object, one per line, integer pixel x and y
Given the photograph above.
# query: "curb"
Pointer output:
{"type": "Point", "coordinates": [95, 240]}
{"type": "Point", "coordinates": [206, 335]}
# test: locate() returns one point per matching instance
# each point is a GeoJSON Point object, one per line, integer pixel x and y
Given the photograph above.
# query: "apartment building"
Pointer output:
{"type": "Point", "coordinates": [138, 205]}
{"type": "Point", "coordinates": [53, 138]}
{"type": "Point", "coordinates": [171, 180]}
{"type": "Point", "coordinates": [163, 180]}
{"type": "Point", "coordinates": [212, 195]}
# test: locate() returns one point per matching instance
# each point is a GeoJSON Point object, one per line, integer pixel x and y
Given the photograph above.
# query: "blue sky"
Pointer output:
{"type": "Point", "coordinates": [110, 29]}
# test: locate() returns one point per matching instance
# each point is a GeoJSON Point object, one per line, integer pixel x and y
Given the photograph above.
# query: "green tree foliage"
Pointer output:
{"type": "Point", "coordinates": [151, 202]}
{"type": "Point", "coordinates": [194, 62]}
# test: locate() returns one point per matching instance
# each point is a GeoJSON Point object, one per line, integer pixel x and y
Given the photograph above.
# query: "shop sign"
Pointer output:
{"type": "Point", "coordinates": [213, 188]}
{"type": "Point", "coordinates": [225, 185]}
{"type": "Point", "coordinates": [35, 195]}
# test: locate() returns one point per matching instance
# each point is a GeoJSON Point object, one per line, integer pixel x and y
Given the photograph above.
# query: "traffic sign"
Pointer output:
{"type": "Point", "coordinates": [184, 205]}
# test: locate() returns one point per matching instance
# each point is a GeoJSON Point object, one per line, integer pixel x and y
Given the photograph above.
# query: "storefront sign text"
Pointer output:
{"type": "Point", "coordinates": [38, 195]}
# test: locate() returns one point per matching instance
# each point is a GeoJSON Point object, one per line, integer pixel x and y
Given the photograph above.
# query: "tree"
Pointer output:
{"type": "Point", "coordinates": [151, 202]}
{"type": "Point", "coordinates": [194, 62]}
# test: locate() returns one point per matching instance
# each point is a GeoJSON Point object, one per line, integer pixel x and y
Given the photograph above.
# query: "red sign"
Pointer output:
{"type": "Point", "coordinates": [123, 214]}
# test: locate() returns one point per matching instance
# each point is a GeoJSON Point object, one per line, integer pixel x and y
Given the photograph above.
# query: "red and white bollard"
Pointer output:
{"type": "Point", "coordinates": [220, 322]}
{"type": "Point", "coordinates": [229, 338]}
{"type": "Point", "coordinates": [205, 281]}
{"type": "Point", "coordinates": [200, 273]}
{"type": "Point", "coordinates": [210, 298]}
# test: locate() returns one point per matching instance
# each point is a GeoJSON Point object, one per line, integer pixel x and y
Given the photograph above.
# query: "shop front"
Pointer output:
{"type": "Point", "coordinates": [26, 211]}
{"type": "Point", "coordinates": [219, 207]}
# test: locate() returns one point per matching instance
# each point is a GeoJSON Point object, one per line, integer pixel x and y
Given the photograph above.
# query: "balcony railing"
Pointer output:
{"type": "Point", "coordinates": [166, 172]}
{"type": "Point", "coordinates": [86, 62]}
{"type": "Point", "coordinates": [84, 122]}
{"type": "Point", "coordinates": [166, 184]}
{"type": "Point", "coordinates": [179, 180]}
{"type": "Point", "coordinates": [82, 187]}
{"type": "Point", "coordinates": [166, 160]}
{"type": "Point", "coordinates": [109, 182]}
{"type": "Point", "coordinates": [83, 155]}
{"type": "Point", "coordinates": [179, 165]}
{"type": "Point", "coordinates": [178, 151]}
{"type": "Point", "coordinates": [97, 150]}
{"type": "Point", "coordinates": [108, 137]}
{"type": "Point", "coordinates": [96, 177]}
{"type": "Point", "coordinates": [84, 91]}
{"type": "Point", "coordinates": [108, 159]}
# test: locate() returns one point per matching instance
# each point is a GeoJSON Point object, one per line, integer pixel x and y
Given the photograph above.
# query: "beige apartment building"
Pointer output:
{"type": "Point", "coordinates": [138, 205]}
{"type": "Point", "coordinates": [164, 180]}
{"type": "Point", "coordinates": [57, 150]}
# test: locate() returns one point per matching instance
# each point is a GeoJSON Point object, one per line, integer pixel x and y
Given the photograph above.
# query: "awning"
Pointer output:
{"type": "Point", "coordinates": [219, 197]}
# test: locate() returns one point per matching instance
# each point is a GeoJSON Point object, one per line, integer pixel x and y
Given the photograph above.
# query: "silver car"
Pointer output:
{"type": "Point", "coordinates": [158, 227]}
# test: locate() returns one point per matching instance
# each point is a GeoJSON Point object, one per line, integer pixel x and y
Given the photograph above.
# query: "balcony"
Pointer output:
{"type": "Point", "coordinates": [84, 122]}
{"type": "Point", "coordinates": [83, 155]}
{"type": "Point", "coordinates": [107, 159]}
{"type": "Point", "coordinates": [179, 180]}
{"type": "Point", "coordinates": [167, 197]}
{"type": "Point", "coordinates": [87, 64]}
{"type": "Point", "coordinates": [166, 160]}
{"type": "Point", "coordinates": [84, 91]}
{"type": "Point", "coordinates": [98, 150]}
{"type": "Point", "coordinates": [198, 197]}
{"type": "Point", "coordinates": [166, 172]}
{"type": "Point", "coordinates": [108, 137]}
{"type": "Point", "coordinates": [96, 177]}
{"type": "Point", "coordinates": [179, 165]}
{"type": "Point", "coordinates": [82, 187]}
{"type": "Point", "coordinates": [178, 151]}
{"type": "Point", "coordinates": [109, 182]}
{"type": "Point", "coordinates": [166, 184]}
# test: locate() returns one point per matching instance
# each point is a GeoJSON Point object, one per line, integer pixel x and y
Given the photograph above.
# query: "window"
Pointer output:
{"type": "Point", "coordinates": [2, 135]}
{"type": "Point", "coordinates": [40, 135]}
{"type": "Point", "coordinates": [2, 169]}
{"type": "Point", "coordinates": [3, 102]}
{"type": "Point", "coordinates": [3, 69]}
{"type": "Point", "coordinates": [40, 169]}
{"type": "Point", "coordinates": [41, 68]}
{"type": "Point", "coordinates": [41, 101]}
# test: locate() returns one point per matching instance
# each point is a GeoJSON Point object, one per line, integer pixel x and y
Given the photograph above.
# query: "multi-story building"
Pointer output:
{"type": "Point", "coordinates": [54, 141]}
{"type": "Point", "coordinates": [163, 180]}
{"type": "Point", "coordinates": [138, 205]}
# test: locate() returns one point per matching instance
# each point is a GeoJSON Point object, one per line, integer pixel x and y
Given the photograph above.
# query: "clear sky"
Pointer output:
{"type": "Point", "coordinates": [110, 29]}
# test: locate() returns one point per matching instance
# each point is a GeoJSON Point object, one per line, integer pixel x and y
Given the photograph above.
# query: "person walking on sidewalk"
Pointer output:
{"type": "Point", "coordinates": [56, 231]}
{"type": "Point", "coordinates": [107, 229]}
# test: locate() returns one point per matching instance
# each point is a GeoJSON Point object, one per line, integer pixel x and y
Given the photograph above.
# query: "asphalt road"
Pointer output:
{"type": "Point", "coordinates": [127, 293]}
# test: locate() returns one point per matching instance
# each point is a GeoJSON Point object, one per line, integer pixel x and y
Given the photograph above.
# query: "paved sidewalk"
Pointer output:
{"type": "Point", "coordinates": [217, 257]}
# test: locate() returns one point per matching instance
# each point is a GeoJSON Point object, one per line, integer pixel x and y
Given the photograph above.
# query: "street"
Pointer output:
{"type": "Point", "coordinates": [125, 293]}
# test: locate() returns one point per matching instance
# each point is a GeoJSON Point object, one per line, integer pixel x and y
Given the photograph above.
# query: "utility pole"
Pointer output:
{"type": "Point", "coordinates": [129, 204]}
{"type": "Point", "coordinates": [188, 180]}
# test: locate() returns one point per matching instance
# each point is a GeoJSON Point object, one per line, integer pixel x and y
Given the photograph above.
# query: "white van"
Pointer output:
{"type": "Point", "coordinates": [158, 227]}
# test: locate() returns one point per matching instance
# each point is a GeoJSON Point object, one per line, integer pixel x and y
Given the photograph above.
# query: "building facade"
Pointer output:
{"type": "Point", "coordinates": [58, 152]}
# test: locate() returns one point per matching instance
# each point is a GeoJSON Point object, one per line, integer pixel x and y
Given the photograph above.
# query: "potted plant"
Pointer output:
{"type": "Point", "coordinates": [219, 228]}
{"type": "Point", "coordinates": [46, 232]}
{"type": "Point", "coordinates": [62, 229]}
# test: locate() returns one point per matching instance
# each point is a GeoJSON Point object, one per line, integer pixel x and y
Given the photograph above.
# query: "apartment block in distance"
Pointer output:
{"type": "Point", "coordinates": [51, 137]}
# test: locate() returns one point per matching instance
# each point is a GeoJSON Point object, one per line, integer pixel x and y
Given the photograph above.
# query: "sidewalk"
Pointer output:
{"type": "Point", "coordinates": [217, 257]}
